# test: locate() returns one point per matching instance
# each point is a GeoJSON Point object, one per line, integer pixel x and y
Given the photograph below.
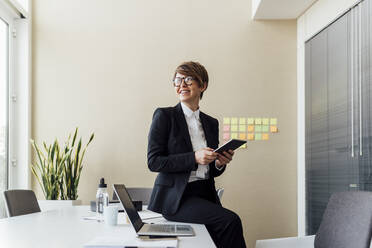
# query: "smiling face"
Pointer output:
{"type": "Point", "coordinates": [189, 94]}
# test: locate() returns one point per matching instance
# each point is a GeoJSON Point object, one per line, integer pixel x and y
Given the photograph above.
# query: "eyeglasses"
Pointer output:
{"type": "Point", "coordinates": [177, 81]}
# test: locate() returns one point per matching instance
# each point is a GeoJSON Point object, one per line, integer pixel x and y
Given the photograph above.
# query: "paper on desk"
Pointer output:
{"type": "Point", "coordinates": [113, 241]}
{"type": "Point", "coordinates": [90, 217]}
{"type": "Point", "coordinates": [147, 214]}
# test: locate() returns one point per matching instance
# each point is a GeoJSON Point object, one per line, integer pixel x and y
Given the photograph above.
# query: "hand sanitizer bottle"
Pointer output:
{"type": "Point", "coordinates": [102, 199]}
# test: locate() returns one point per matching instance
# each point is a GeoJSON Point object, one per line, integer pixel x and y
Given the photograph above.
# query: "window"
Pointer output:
{"type": "Point", "coordinates": [4, 61]}
{"type": "Point", "coordinates": [14, 98]}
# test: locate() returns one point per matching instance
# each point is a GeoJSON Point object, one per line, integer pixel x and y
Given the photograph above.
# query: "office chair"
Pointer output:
{"type": "Point", "coordinates": [20, 202]}
{"type": "Point", "coordinates": [346, 222]}
{"type": "Point", "coordinates": [137, 194]}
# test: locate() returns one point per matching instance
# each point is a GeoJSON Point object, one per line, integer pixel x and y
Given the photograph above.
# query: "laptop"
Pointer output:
{"type": "Point", "coordinates": [144, 229]}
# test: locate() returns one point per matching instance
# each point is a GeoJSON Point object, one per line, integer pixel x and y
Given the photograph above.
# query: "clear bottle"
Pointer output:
{"type": "Point", "coordinates": [102, 199]}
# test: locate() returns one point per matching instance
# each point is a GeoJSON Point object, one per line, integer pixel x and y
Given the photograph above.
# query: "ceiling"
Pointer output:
{"type": "Point", "coordinates": [279, 9]}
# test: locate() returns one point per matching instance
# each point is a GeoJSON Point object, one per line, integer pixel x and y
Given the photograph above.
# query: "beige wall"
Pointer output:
{"type": "Point", "coordinates": [104, 66]}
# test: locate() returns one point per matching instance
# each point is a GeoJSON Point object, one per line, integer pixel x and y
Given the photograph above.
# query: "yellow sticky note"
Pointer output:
{"type": "Point", "coordinates": [258, 121]}
{"type": "Point", "coordinates": [242, 136]}
{"type": "Point", "coordinates": [250, 128]}
{"type": "Point", "coordinates": [244, 145]}
{"type": "Point", "coordinates": [265, 121]}
{"type": "Point", "coordinates": [241, 128]}
{"type": "Point", "coordinates": [234, 128]}
{"type": "Point", "coordinates": [226, 120]}
{"type": "Point", "coordinates": [234, 121]}
{"type": "Point", "coordinates": [273, 129]}
{"type": "Point", "coordinates": [234, 135]}
{"type": "Point", "coordinates": [250, 121]}
{"type": "Point", "coordinates": [251, 136]}
{"type": "Point", "coordinates": [242, 121]}
{"type": "Point", "coordinates": [265, 136]}
{"type": "Point", "coordinates": [273, 121]}
{"type": "Point", "coordinates": [258, 136]}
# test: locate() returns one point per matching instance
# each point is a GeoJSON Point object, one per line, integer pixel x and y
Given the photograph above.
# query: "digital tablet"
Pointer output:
{"type": "Point", "coordinates": [230, 145]}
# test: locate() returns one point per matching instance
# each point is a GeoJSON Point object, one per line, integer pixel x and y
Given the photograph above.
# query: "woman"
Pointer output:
{"type": "Point", "coordinates": [180, 147]}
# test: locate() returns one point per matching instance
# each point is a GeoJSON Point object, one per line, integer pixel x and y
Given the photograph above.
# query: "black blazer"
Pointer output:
{"type": "Point", "coordinates": [171, 154]}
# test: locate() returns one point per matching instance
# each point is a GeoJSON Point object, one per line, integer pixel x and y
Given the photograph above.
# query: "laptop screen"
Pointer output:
{"type": "Point", "coordinates": [127, 203]}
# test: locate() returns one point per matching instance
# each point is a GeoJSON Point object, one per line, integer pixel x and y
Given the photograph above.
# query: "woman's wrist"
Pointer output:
{"type": "Point", "coordinates": [220, 166]}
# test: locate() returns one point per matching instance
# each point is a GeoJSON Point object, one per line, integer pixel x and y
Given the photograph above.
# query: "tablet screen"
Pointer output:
{"type": "Point", "coordinates": [230, 145]}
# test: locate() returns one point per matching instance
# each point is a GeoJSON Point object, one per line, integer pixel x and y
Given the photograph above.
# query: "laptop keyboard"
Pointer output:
{"type": "Point", "coordinates": [182, 228]}
{"type": "Point", "coordinates": [162, 228]}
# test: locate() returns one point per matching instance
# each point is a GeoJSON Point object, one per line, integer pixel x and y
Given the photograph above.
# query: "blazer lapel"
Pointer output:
{"type": "Point", "coordinates": [184, 130]}
{"type": "Point", "coordinates": [206, 128]}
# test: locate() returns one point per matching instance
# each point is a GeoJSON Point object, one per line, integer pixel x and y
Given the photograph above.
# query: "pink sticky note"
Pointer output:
{"type": "Point", "coordinates": [226, 136]}
{"type": "Point", "coordinates": [226, 128]}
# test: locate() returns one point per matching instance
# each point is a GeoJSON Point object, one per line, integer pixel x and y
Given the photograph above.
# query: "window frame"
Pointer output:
{"type": "Point", "coordinates": [7, 16]}
{"type": "Point", "coordinates": [19, 96]}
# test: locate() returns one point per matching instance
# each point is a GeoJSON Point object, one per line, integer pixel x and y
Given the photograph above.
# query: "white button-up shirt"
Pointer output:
{"type": "Point", "coordinates": [198, 140]}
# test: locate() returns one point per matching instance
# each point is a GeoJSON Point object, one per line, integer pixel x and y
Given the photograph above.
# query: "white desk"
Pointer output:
{"type": "Point", "coordinates": [66, 228]}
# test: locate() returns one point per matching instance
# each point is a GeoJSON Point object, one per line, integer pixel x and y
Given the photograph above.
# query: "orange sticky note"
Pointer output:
{"type": "Point", "coordinates": [265, 136]}
{"type": "Point", "coordinates": [251, 136]}
{"type": "Point", "coordinates": [250, 128]}
{"type": "Point", "coordinates": [242, 136]}
{"type": "Point", "coordinates": [273, 129]}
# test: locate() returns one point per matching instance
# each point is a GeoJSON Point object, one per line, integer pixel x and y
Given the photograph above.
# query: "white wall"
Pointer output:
{"type": "Point", "coordinates": [311, 22]}
{"type": "Point", "coordinates": [106, 65]}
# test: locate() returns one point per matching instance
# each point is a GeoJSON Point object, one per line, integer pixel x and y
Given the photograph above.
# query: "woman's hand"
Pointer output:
{"type": "Point", "coordinates": [225, 158]}
{"type": "Point", "coordinates": [205, 156]}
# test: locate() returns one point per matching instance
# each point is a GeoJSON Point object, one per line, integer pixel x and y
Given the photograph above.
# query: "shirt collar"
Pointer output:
{"type": "Point", "coordinates": [188, 112]}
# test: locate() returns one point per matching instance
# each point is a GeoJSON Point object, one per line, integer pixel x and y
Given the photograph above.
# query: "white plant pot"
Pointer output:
{"type": "Point", "coordinates": [46, 205]}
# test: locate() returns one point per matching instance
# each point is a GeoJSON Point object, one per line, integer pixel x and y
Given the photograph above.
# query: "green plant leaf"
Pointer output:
{"type": "Point", "coordinates": [73, 140]}
{"type": "Point", "coordinates": [58, 169]}
{"type": "Point", "coordinates": [90, 139]}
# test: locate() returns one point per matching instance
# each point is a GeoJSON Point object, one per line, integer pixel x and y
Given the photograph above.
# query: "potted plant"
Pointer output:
{"type": "Point", "coordinates": [58, 170]}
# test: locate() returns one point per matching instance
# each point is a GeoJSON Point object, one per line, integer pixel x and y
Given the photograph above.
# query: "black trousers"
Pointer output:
{"type": "Point", "coordinates": [198, 205]}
